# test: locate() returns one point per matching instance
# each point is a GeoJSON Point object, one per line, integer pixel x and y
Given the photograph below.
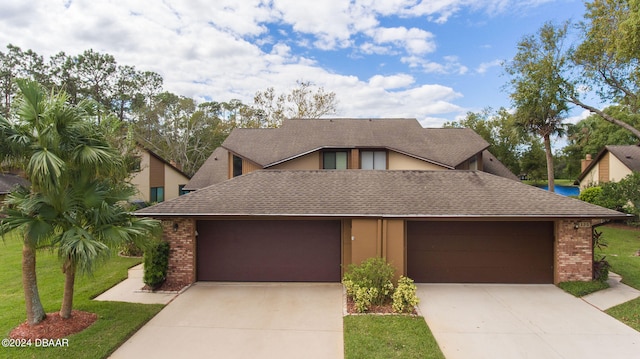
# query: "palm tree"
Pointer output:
{"type": "Point", "coordinates": [77, 187]}
{"type": "Point", "coordinates": [537, 86]}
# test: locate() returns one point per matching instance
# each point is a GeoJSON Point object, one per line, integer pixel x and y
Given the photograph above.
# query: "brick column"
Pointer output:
{"type": "Point", "coordinates": [573, 251]}
{"type": "Point", "coordinates": [181, 235]}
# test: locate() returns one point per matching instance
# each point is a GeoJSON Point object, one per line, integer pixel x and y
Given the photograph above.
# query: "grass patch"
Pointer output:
{"type": "Point", "coordinates": [388, 336]}
{"type": "Point", "coordinates": [116, 320]}
{"type": "Point", "coordinates": [623, 244]}
{"type": "Point", "coordinates": [580, 289]}
{"type": "Point", "coordinates": [628, 313]}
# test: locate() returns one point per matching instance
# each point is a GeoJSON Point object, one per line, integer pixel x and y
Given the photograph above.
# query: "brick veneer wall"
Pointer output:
{"type": "Point", "coordinates": [573, 251]}
{"type": "Point", "coordinates": [182, 252]}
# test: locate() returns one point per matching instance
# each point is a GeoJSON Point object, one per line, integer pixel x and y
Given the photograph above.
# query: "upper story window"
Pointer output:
{"type": "Point", "coordinates": [157, 194]}
{"type": "Point", "coordinates": [237, 166]}
{"type": "Point", "coordinates": [335, 160]}
{"type": "Point", "coordinates": [473, 163]}
{"type": "Point", "coordinates": [373, 160]}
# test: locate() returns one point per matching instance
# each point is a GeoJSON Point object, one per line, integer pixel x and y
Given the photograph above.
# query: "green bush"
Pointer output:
{"type": "Point", "coordinates": [371, 273]}
{"type": "Point", "coordinates": [156, 263]}
{"type": "Point", "coordinates": [590, 194]}
{"type": "Point", "coordinates": [405, 297]}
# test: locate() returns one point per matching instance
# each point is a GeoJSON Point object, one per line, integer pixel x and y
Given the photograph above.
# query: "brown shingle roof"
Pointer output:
{"type": "Point", "coordinates": [491, 164]}
{"type": "Point", "coordinates": [629, 155]}
{"type": "Point", "coordinates": [267, 147]}
{"type": "Point", "coordinates": [214, 170]}
{"type": "Point", "coordinates": [357, 193]}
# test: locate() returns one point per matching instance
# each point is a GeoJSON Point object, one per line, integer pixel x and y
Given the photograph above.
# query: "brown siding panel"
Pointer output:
{"type": "Point", "coordinates": [269, 251]}
{"type": "Point", "coordinates": [480, 252]}
{"type": "Point", "coordinates": [156, 172]}
{"type": "Point", "coordinates": [603, 168]}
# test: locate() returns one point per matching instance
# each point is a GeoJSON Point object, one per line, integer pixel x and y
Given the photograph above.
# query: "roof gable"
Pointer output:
{"type": "Point", "coordinates": [358, 193]}
{"type": "Point", "coordinates": [629, 155]}
{"type": "Point", "coordinates": [268, 147]}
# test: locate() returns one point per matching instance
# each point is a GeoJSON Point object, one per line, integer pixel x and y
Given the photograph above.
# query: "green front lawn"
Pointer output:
{"type": "Point", "coordinates": [388, 336]}
{"type": "Point", "coordinates": [116, 321]}
{"type": "Point", "coordinates": [623, 244]}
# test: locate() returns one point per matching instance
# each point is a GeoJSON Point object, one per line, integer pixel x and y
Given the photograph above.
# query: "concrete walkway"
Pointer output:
{"type": "Point", "coordinates": [617, 293]}
{"type": "Point", "coordinates": [129, 290]}
{"type": "Point", "coordinates": [511, 321]}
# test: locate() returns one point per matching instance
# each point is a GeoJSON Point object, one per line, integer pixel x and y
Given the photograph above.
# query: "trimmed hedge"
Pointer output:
{"type": "Point", "coordinates": [156, 263]}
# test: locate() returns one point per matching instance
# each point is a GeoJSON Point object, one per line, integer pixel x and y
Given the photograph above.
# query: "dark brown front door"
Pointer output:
{"type": "Point", "coordinates": [480, 252]}
{"type": "Point", "coordinates": [269, 251]}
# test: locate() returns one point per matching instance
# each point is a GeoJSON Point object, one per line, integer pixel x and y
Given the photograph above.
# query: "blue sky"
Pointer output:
{"type": "Point", "coordinates": [430, 60]}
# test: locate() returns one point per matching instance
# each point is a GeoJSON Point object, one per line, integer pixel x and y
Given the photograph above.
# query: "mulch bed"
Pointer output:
{"type": "Point", "coordinates": [386, 308]}
{"type": "Point", "coordinates": [54, 327]}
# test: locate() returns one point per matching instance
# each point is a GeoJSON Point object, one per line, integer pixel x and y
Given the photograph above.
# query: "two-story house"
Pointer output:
{"type": "Point", "coordinates": [381, 144]}
{"type": "Point", "coordinates": [303, 201]}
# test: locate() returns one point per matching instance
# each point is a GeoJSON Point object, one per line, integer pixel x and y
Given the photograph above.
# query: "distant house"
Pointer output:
{"type": "Point", "coordinates": [158, 179]}
{"type": "Point", "coordinates": [612, 164]}
{"type": "Point", "coordinates": [304, 201]}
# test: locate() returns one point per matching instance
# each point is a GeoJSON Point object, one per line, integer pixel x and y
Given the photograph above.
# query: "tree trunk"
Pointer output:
{"type": "Point", "coordinates": [606, 117]}
{"type": "Point", "coordinates": [69, 270]}
{"type": "Point", "coordinates": [35, 311]}
{"type": "Point", "coordinates": [550, 172]}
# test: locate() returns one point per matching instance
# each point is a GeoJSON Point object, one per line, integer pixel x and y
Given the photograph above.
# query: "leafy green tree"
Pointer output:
{"type": "Point", "coordinates": [500, 130]}
{"type": "Point", "coordinates": [607, 59]}
{"type": "Point", "coordinates": [536, 87]}
{"type": "Point", "coordinates": [532, 162]}
{"type": "Point", "coordinates": [75, 200]}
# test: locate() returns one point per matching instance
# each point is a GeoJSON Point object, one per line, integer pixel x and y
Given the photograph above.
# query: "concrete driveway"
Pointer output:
{"type": "Point", "coordinates": [248, 320]}
{"type": "Point", "coordinates": [521, 321]}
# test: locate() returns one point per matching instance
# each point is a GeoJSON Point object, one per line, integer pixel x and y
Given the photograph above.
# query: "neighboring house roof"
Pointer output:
{"type": "Point", "coordinates": [9, 181]}
{"type": "Point", "coordinates": [491, 164]}
{"type": "Point", "coordinates": [447, 147]}
{"type": "Point", "coordinates": [629, 155]}
{"type": "Point", "coordinates": [214, 170]}
{"type": "Point", "coordinates": [370, 193]}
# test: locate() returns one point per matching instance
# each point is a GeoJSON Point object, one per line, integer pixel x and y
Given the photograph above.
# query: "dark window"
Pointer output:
{"type": "Point", "coordinates": [181, 190]}
{"type": "Point", "coordinates": [334, 160]}
{"type": "Point", "coordinates": [237, 166]}
{"type": "Point", "coordinates": [157, 194]}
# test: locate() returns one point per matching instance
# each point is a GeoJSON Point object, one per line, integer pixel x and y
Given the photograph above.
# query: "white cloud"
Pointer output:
{"type": "Point", "coordinates": [391, 82]}
{"type": "Point", "coordinates": [486, 66]}
{"type": "Point", "coordinates": [413, 40]}
{"type": "Point", "coordinates": [450, 65]}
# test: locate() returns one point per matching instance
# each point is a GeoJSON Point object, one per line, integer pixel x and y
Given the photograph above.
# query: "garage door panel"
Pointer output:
{"type": "Point", "coordinates": [269, 251]}
{"type": "Point", "coordinates": [480, 252]}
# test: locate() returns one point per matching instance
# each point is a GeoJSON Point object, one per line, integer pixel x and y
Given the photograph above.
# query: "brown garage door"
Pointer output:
{"type": "Point", "coordinates": [480, 252]}
{"type": "Point", "coordinates": [269, 251]}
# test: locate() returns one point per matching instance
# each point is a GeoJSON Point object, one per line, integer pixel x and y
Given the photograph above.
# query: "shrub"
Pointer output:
{"type": "Point", "coordinates": [404, 296]}
{"type": "Point", "coordinates": [369, 283]}
{"type": "Point", "coordinates": [600, 264]}
{"type": "Point", "coordinates": [156, 263]}
{"type": "Point", "coordinates": [590, 194]}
